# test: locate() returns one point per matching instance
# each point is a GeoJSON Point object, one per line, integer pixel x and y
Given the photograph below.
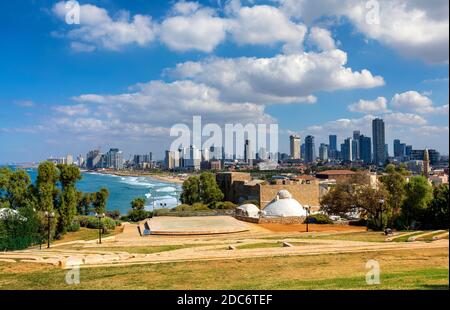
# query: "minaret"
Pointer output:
{"type": "Point", "coordinates": [426, 163]}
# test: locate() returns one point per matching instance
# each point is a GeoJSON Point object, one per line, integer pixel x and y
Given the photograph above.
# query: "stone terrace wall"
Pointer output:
{"type": "Point", "coordinates": [272, 220]}
{"type": "Point", "coordinates": [305, 194]}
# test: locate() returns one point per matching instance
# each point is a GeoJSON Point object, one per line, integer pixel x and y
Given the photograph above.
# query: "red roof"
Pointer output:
{"type": "Point", "coordinates": [335, 172]}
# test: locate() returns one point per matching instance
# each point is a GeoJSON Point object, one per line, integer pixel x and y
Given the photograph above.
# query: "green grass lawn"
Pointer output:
{"type": "Point", "coordinates": [429, 238]}
{"type": "Point", "coordinates": [400, 269]}
{"type": "Point", "coordinates": [145, 249]}
{"type": "Point", "coordinates": [366, 236]}
{"type": "Point", "coordinates": [83, 234]}
{"type": "Point", "coordinates": [405, 238]}
{"type": "Point", "coordinates": [260, 245]}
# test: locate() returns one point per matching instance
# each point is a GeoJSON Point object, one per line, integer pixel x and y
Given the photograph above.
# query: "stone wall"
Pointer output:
{"type": "Point", "coordinates": [272, 220]}
{"type": "Point", "coordinates": [304, 193]}
{"type": "Point", "coordinates": [225, 181]}
{"type": "Point", "coordinates": [238, 187]}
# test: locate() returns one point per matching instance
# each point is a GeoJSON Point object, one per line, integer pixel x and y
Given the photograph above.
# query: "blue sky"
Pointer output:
{"type": "Point", "coordinates": [132, 69]}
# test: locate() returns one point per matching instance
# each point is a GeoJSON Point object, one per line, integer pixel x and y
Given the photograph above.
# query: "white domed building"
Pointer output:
{"type": "Point", "coordinates": [284, 206]}
{"type": "Point", "coordinates": [248, 210]}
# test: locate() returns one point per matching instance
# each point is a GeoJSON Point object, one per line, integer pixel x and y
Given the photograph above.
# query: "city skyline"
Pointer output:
{"type": "Point", "coordinates": [353, 148]}
{"type": "Point", "coordinates": [83, 89]}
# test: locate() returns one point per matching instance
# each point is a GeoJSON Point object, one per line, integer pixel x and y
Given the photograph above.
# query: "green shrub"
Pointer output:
{"type": "Point", "coordinates": [137, 215]}
{"type": "Point", "coordinates": [225, 205]}
{"type": "Point", "coordinates": [74, 226]}
{"type": "Point", "coordinates": [182, 207]}
{"type": "Point", "coordinates": [107, 223]}
{"type": "Point", "coordinates": [161, 212]}
{"type": "Point", "coordinates": [115, 214]}
{"type": "Point", "coordinates": [199, 207]}
{"type": "Point", "coordinates": [360, 222]}
{"type": "Point", "coordinates": [318, 219]}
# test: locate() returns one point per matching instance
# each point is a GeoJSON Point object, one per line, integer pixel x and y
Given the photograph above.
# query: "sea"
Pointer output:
{"type": "Point", "coordinates": [123, 189]}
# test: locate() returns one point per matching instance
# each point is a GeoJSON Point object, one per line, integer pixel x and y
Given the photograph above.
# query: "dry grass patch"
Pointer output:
{"type": "Point", "coordinates": [403, 269]}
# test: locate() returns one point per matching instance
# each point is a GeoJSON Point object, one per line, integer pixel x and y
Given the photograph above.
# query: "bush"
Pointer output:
{"type": "Point", "coordinates": [106, 223]}
{"type": "Point", "coordinates": [360, 222]}
{"type": "Point", "coordinates": [74, 226]}
{"type": "Point", "coordinates": [137, 215]}
{"type": "Point", "coordinates": [318, 219]}
{"type": "Point", "coordinates": [225, 205]}
{"type": "Point", "coordinates": [200, 207]}
{"type": "Point", "coordinates": [182, 207]}
{"type": "Point", "coordinates": [115, 214]}
{"type": "Point", "coordinates": [161, 212]}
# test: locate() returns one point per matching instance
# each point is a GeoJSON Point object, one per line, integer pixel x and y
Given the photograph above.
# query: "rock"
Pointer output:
{"type": "Point", "coordinates": [231, 247]}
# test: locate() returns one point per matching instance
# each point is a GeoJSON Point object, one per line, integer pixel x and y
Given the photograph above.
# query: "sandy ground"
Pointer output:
{"type": "Point", "coordinates": [160, 177]}
{"type": "Point", "coordinates": [205, 247]}
{"type": "Point", "coordinates": [311, 227]}
{"type": "Point", "coordinates": [194, 225]}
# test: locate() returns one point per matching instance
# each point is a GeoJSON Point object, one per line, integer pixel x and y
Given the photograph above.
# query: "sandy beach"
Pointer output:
{"type": "Point", "coordinates": [160, 177]}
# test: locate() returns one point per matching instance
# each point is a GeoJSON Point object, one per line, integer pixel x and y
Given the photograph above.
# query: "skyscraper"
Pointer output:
{"type": "Point", "coordinates": [365, 149]}
{"type": "Point", "coordinates": [399, 149]}
{"type": "Point", "coordinates": [355, 150]}
{"type": "Point", "coordinates": [248, 155]}
{"type": "Point", "coordinates": [347, 150]}
{"type": "Point", "coordinates": [378, 140]}
{"type": "Point", "coordinates": [408, 151]}
{"type": "Point", "coordinates": [114, 159]}
{"type": "Point", "coordinates": [332, 147]}
{"type": "Point", "coordinates": [323, 152]}
{"type": "Point", "coordinates": [310, 154]}
{"type": "Point", "coordinates": [295, 146]}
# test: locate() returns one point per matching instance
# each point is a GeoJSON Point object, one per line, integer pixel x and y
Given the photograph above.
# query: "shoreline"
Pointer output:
{"type": "Point", "coordinates": [159, 177]}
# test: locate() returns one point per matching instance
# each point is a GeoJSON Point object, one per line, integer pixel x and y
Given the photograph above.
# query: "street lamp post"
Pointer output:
{"type": "Point", "coordinates": [100, 216]}
{"type": "Point", "coordinates": [49, 216]}
{"type": "Point", "coordinates": [381, 212]}
{"type": "Point", "coordinates": [307, 218]}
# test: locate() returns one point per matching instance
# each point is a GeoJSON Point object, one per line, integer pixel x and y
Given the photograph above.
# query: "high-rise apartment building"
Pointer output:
{"type": "Point", "coordinates": [378, 140]}
{"type": "Point", "coordinates": [365, 149]}
{"type": "Point", "coordinates": [347, 149]}
{"type": "Point", "coordinates": [114, 159]}
{"type": "Point", "coordinates": [310, 154]}
{"type": "Point", "coordinates": [355, 146]}
{"type": "Point", "coordinates": [295, 143]}
{"type": "Point", "coordinates": [323, 152]}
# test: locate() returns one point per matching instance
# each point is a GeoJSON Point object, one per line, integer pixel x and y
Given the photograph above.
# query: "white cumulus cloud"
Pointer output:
{"type": "Point", "coordinates": [280, 79]}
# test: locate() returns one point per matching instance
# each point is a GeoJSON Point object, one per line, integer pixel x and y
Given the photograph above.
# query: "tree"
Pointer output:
{"type": "Point", "coordinates": [437, 214]}
{"type": "Point", "coordinates": [210, 192]}
{"type": "Point", "coordinates": [46, 188]}
{"type": "Point", "coordinates": [99, 200]}
{"type": "Point", "coordinates": [15, 191]}
{"type": "Point", "coordinates": [395, 182]}
{"type": "Point", "coordinates": [138, 204]}
{"type": "Point", "coordinates": [419, 194]}
{"type": "Point", "coordinates": [338, 200]}
{"type": "Point", "coordinates": [84, 203]}
{"type": "Point", "coordinates": [371, 202]}
{"type": "Point", "coordinates": [68, 201]}
{"type": "Point", "coordinates": [191, 190]}
{"type": "Point", "coordinates": [19, 227]}
{"type": "Point", "coordinates": [365, 200]}
{"type": "Point", "coordinates": [137, 212]}
{"type": "Point", "coordinates": [46, 192]}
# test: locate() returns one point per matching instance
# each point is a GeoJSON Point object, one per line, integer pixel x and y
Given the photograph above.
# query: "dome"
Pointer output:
{"type": "Point", "coordinates": [284, 205]}
{"type": "Point", "coordinates": [284, 194]}
{"type": "Point", "coordinates": [248, 209]}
